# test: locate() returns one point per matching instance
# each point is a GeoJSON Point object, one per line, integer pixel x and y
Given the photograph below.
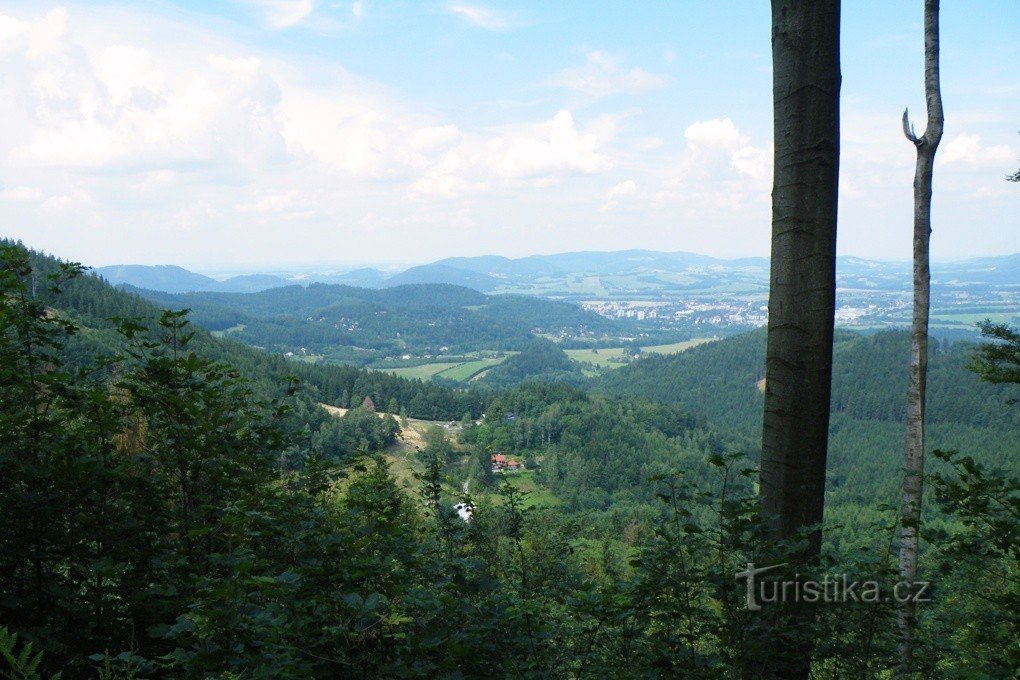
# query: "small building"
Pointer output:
{"type": "Point", "coordinates": [500, 463]}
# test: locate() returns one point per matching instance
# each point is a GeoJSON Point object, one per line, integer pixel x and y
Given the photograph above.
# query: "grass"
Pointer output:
{"type": "Point", "coordinates": [610, 357]}
{"type": "Point", "coordinates": [227, 331]}
{"type": "Point", "coordinates": [468, 370]}
{"type": "Point", "coordinates": [676, 346]}
{"type": "Point", "coordinates": [461, 372]}
{"type": "Point", "coordinates": [538, 495]}
{"type": "Point", "coordinates": [974, 318]}
{"type": "Point", "coordinates": [424, 371]}
{"type": "Point", "coordinates": [603, 357]}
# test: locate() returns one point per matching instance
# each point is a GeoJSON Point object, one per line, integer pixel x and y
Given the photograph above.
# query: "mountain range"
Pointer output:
{"type": "Point", "coordinates": [585, 274]}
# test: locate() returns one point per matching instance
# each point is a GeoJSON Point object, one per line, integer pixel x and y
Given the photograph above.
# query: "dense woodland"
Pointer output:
{"type": "Point", "coordinates": [352, 325]}
{"type": "Point", "coordinates": [176, 505]}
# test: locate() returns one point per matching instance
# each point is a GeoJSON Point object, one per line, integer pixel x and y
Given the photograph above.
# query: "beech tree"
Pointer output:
{"type": "Point", "coordinates": [913, 460]}
{"type": "Point", "coordinates": [802, 284]}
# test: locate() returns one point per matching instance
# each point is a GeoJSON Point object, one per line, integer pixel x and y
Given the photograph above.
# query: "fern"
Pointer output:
{"type": "Point", "coordinates": [19, 666]}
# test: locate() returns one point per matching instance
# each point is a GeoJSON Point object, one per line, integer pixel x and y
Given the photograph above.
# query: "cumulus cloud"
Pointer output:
{"type": "Point", "coordinates": [114, 108]}
{"type": "Point", "coordinates": [602, 75]}
{"type": "Point", "coordinates": [966, 150]}
{"type": "Point", "coordinates": [482, 17]}
{"type": "Point", "coordinates": [554, 148]}
{"type": "Point", "coordinates": [715, 140]}
{"type": "Point", "coordinates": [616, 192]}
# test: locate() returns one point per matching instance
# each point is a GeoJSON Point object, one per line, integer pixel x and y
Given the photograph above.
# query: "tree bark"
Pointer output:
{"type": "Point", "coordinates": [913, 459]}
{"type": "Point", "coordinates": [802, 292]}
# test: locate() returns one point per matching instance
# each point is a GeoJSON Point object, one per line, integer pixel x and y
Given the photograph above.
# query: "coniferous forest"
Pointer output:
{"type": "Point", "coordinates": [180, 505]}
{"type": "Point", "coordinates": [451, 341]}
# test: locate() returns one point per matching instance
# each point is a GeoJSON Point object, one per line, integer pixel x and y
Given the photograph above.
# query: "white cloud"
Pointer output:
{"type": "Point", "coordinates": [20, 194]}
{"type": "Point", "coordinates": [10, 30]}
{"type": "Point", "coordinates": [75, 198]}
{"type": "Point", "coordinates": [624, 189]}
{"type": "Point", "coordinates": [123, 69]}
{"type": "Point", "coordinates": [712, 140]}
{"type": "Point", "coordinates": [435, 137]}
{"type": "Point", "coordinates": [47, 35]}
{"type": "Point", "coordinates": [118, 110]}
{"type": "Point", "coordinates": [602, 76]}
{"type": "Point", "coordinates": [274, 203]}
{"type": "Point", "coordinates": [555, 147]}
{"type": "Point", "coordinates": [966, 150]}
{"type": "Point", "coordinates": [284, 13]}
{"type": "Point", "coordinates": [442, 180]}
{"type": "Point", "coordinates": [481, 17]}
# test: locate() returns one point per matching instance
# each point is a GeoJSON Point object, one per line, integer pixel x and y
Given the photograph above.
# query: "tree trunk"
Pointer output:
{"type": "Point", "coordinates": [913, 459]}
{"type": "Point", "coordinates": [802, 292]}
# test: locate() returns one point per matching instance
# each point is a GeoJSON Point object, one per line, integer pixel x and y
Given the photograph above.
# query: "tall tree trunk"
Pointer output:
{"type": "Point", "coordinates": [802, 289]}
{"type": "Point", "coordinates": [913, 459]}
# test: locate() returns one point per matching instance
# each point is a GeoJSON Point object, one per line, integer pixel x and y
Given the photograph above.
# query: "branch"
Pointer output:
{"type": "Point", "coordinates": [908, 129]}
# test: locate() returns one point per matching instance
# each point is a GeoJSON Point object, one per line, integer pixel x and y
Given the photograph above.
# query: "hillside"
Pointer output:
{"type": "Point", "coordinates": [722, 381]}
{"type": "Point", "coordinates": [179, 487]}
{"type": "Point", "coordinates": [345, 324]}
{"type": "Point", "coordinates": [98, 308]}
{"type": "Point", "coordinates": [174, 279]}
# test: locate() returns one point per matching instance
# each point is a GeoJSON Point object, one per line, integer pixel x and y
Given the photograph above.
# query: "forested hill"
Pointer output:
{"type": "Point", "coordinates": [417, 319]}
{"type": "Point", "coordinates": [722, 380]}
{"type": "Point", "coordinates": [98, 308]}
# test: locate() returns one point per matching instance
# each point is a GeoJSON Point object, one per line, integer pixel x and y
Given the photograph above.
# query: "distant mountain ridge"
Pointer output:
{"type": "Point", "coordinates": [666, 271]}
{"type": "Point", "coordinates": [168, 278]}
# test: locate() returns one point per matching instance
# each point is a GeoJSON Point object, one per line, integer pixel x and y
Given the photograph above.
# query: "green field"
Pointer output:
{"type": "Point", "coordinates": [228, 331]}
{"type": "Point", "coordinates": [537, 495]}
{"type": "Point", "coordinates": [467, 370]}
{"type": "Point", "coordinates": [460, 372]}
{"type": "Point", "coordinates": [611, 357]}
{"type": "Point", "coordinates": [606, 357]}
{"type": "Point", "coordinates": [975, 318]}
{"type": "Point", "coordinates": [423, 371]}
{"type": "Point", "coordinates": [676, 346]}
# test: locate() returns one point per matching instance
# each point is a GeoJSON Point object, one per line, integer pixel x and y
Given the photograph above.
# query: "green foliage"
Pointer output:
{"type": "Point", "coordinates": [23, 665]}
{"type": "Point", "coordinates": [998, 361]}
{"type": "Point", "coordinates": [339, 439]}
{"type": "Point", "coordinates": [167, 513]}
{"type": "Point", "coordinates": [332, 319]}
{"type": "Point", "coordinates": [978, 560]}
{"type": "Point", "coordinates": [541, 360]}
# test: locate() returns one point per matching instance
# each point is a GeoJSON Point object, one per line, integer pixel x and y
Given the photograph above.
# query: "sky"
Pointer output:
{"type": "Point", "coordinates": [252, 134]}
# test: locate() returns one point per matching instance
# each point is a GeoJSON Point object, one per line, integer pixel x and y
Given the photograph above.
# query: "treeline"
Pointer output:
{"type": "Point", "coordinates": [722, 380]}
{"type": "Point", "coordinates": [98, 310]}
{"type": "Point", "coordinates": [390, 321]}
{"type": "Point", "coordinates": [540, 360]}
{"type": "Point", "coordinates": [152, 526]}
{"type": "Point", "coordinates": [594, 452]}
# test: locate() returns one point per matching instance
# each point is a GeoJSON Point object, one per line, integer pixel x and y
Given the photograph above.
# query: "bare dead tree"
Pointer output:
{"type": "Point", "coordinates": [913, 459]}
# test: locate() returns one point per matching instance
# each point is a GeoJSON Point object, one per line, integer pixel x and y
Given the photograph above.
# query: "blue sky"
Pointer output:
{"type": "Point", "coordinates": [267, 133]}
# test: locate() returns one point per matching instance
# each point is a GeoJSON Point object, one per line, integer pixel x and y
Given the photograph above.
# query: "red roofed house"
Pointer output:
{"type": "Point", "coordinates": [500, 463]}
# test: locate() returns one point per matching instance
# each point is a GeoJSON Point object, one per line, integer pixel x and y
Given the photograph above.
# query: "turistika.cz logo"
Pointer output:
{"type": "Point", "coordinates": [837, 588]}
